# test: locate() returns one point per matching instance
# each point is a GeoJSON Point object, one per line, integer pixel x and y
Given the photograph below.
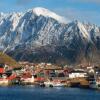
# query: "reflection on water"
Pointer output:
{"type": "Point", "coordinates": [33, 93]}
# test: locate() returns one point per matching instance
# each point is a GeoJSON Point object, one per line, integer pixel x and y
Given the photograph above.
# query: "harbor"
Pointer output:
{"type": "Point", "coordinates": [49, 75]}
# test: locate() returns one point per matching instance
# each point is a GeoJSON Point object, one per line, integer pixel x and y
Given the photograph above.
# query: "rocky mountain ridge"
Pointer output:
{"type": "Point", "coordinates": [41, 35]}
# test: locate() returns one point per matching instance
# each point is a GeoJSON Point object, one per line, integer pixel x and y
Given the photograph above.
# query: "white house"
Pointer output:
{"type": "Point", "coordinates": [28, 80]}
{"type": "Point", "coordinates": [77, 74]}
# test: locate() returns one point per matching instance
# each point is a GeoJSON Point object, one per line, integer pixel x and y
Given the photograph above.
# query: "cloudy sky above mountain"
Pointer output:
{"type": "Point", "coordinates": [83, 10]}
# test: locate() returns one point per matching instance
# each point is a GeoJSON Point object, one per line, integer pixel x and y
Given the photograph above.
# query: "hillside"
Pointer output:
{"type": "Point", "coordinates": [40, 35]}
{"type": "Point", "coordinates": [8, 60]}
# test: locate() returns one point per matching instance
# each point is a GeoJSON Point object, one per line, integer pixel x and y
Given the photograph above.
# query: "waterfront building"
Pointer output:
{"type": "Point", "coordinates": [77, 74]}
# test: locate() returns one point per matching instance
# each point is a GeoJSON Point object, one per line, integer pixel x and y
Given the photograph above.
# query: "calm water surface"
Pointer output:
{"type": "Point", "coordinates": [33, 93]}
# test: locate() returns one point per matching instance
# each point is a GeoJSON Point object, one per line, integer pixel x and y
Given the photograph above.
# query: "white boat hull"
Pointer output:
{"type": "Point", "coordinates": [4, 82]}
{"type": "Point", "coordinates": [52, 84]}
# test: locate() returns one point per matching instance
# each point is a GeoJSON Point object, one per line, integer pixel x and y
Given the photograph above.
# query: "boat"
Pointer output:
{"type": "Point", "coordinates": [98, 84]}
{"type": "Point", "coordinates": [54, 83]}
{"type": "Point", "coordinates": [93, 83]}
{"type": "Point", "coordinates": [4, 82]}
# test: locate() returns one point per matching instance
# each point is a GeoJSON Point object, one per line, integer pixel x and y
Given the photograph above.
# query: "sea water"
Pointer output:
{"type": "Point", "coordinates": [35, 93]}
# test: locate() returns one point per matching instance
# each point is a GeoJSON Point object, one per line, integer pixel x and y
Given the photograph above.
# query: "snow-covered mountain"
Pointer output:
{"type": "Point", "coordinates": [39, 28]}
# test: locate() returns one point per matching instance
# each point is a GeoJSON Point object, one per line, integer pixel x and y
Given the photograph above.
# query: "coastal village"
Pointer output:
{"type": "Point", "coordinates": [50, 75]}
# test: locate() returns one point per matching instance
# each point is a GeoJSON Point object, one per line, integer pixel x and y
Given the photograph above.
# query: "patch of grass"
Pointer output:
{"type": "Point", "coordinates": [4, 58]}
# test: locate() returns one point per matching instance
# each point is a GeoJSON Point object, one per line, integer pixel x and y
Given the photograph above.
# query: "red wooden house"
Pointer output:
{"type": "Point", "coordinates": [2, 68]}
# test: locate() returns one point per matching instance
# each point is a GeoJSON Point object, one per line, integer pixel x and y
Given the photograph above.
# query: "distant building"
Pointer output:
{"type": "Point", "coordinates": [77, 74]}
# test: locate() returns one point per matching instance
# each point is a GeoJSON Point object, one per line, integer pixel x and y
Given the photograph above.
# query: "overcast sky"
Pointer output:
{"type": "Point", "coordinates": [83, 10]}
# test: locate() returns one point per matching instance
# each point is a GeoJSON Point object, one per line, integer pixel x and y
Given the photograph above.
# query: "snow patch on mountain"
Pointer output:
{"type": "Point", "coordinates": [41, 27]}
{"type": "Point", "coordinates": [83, 30]}
{"type": "Point", "coordinates": [47, 13]}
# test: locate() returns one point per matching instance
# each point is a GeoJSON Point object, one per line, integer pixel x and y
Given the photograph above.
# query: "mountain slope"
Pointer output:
{"type": "Point", "coordinates": [8, 60]}
{"type": "Point", "coordinates": [41, 35]}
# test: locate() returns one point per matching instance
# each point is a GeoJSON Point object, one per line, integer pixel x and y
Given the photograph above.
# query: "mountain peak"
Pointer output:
{"type": "Point", "coordinates": [40, 33]}
{"type": "Point", "coordinates": [47, 13]}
